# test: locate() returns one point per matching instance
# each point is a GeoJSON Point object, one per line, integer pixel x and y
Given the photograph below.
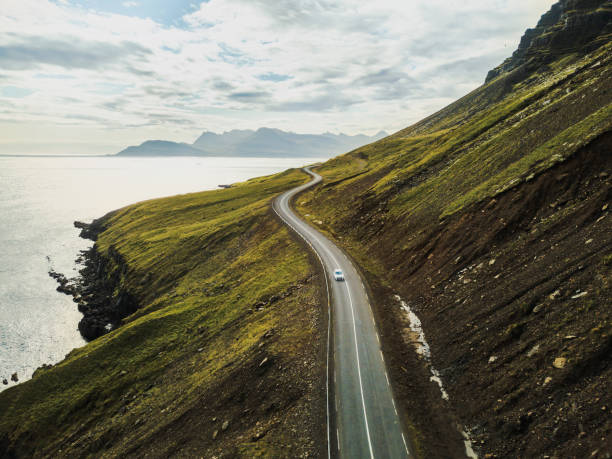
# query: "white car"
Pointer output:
{"type": "Point", "coordinates": [338, 275]}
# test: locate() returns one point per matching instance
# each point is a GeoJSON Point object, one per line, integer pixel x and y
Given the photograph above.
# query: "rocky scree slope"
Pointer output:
{"type": "Point", "coordinates": [491, 221]}
{"type": "Point", "coordinates": [218, 355]}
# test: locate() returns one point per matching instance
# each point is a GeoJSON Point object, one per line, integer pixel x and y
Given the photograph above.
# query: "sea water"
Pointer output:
{"type": "Point", "coordinates": [40, 198]}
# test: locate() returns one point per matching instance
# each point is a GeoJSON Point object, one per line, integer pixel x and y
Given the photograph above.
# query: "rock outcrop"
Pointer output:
{"type": "Point", "coordinates": [98, 291]}
{"type": "Point", "coordinates": [571, 26]}
{"type": "Point", "coordinates": [99, 295]}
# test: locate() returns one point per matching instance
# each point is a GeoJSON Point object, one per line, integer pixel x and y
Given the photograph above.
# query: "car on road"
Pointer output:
{"type": "Point", "coordinates": [338, 275]}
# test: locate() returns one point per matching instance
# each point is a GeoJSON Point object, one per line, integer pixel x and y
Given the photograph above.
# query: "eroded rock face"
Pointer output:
{"type": "Point", "coordinates": [98, 290]}
{"type": "Point", "coordinates": [100, 297]}
{"type": "Point", "coordinates": [571, 26]}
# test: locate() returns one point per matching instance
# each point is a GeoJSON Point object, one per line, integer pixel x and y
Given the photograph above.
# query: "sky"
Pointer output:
{"type": "Point", "coordinates": [93, 76]}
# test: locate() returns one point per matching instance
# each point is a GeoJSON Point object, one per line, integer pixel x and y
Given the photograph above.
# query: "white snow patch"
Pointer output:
{"type": "Point", "coordinates": [423, 349]}
{"type": "Point", "coordinates": [469, 450]}
{"type": "Point", "coordinates": [579, 295]}
{"type": "Point", "coordinates": [435, 377]}
{"type": "Point", "coordinates": [421, 345]}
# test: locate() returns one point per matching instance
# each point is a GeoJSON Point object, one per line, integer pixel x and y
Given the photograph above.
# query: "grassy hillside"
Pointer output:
{"type": "Point", "coordinates": [222, 358]}
{"type": "Point", "coordinates": [491, 220]}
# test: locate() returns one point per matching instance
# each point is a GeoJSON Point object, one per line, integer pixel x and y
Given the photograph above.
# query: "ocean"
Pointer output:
{"type": "Point", "coordinates": [40, 198]}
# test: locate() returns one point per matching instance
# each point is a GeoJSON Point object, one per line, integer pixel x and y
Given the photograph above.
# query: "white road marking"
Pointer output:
{"type": "Point", "coordinates": [308, 234]}
{"type": "Point", "coordinates": [405, 445]}
{"type": "Point", "coordinates": [365, 414]}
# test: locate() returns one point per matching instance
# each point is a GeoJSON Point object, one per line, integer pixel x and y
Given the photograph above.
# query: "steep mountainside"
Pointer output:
{"type": "Point", "coordinates": [571, 26]}
{"type": "Point", "coordinates": [490, 221]}
{"type": "Point", "coordinates": [221, 356]}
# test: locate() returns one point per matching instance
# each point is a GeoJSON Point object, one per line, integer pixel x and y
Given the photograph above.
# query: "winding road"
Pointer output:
{"type": "Point", "coordinates": [362, 419]}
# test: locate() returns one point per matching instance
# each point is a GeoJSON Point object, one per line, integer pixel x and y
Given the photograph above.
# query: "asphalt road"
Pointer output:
{"type": "Point", "coordinates": [364, 420]}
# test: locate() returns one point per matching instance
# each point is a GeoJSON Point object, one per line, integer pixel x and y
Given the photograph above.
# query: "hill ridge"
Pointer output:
{"type": "Point", "coordinates": [263, 142]}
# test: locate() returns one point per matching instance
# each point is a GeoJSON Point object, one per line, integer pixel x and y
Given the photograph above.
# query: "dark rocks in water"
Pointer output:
{"type": "Point", "coordinates": [90, 230]}
{"type": "Point", "coordinates": [65, 285]}
{"type": "Point", "coordinates": [99, 299]}
{"type": "Point", "coordinates": [5, 382]}
{"type": "Point", "coordinates": [98, 290]}
{"type": "Point", "coordinates": [571, 26]}
{"type": "Point", "coordinates": [14, 377]}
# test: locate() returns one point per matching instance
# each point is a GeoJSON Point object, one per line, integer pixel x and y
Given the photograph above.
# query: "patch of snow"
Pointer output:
{"type": "Point", "coordinates": [533, 351]}
{"type": "Point", "coordinates": [435, 377]}
{"type": "Point", "coordinates": [469, 450]}
{"type": "Point", "coordinates": [579, 295]}
{"type": "Point", "coordinates": [421, 345]}
{"type": "Point", "coordinates": [424, 351]}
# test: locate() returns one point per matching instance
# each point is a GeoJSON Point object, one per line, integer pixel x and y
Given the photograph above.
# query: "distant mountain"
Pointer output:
{"type": "Point", "coordinates": [264, 142]}
{"type": "Point", "coordinates": [160, 148]}
{"type": "Point", "coordinates": [219, 143]}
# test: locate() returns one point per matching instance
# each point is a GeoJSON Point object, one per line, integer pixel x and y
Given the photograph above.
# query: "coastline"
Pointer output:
{"type": "Point", "coordinates": [39, 326]}
{"type": "Point", "coordinates": [97, 289]}
{"type": "Point", "coordinates": [167, 375]}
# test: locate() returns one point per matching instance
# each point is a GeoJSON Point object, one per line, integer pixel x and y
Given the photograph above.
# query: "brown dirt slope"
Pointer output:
{"type": "Point", "coordinates": [491, 220]}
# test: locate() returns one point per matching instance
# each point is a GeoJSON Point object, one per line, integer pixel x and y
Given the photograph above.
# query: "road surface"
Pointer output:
{"type": "Point", "coordinates": [366, 421]}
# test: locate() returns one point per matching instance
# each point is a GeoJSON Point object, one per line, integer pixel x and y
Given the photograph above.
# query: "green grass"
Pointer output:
{"type": "Point", "coordinates": [179, 251]}
{"type": "Point", "coordinates": [473, 150]}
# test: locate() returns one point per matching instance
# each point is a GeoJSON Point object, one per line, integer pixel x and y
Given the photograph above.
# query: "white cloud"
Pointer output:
{"type": "Point", "coordinates": [304, 65]}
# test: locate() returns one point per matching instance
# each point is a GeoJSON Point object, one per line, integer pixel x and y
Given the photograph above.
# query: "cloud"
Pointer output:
{"type": "Point", "coordinates": [33, 52]}
{"type": "Point", "coordinates": [15, 92]}
{"type": "Point", "coordinates": [324, 103]}
{"type": "Point", "coordinates": [249, 96]}
{"type": "Point", "coordinates": [271, 76]}
{"type": "Point", "coordinates": [302, 65]}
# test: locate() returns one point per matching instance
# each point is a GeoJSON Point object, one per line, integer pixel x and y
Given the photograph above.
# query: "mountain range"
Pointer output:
{"type": "Point", "coordinates": [264, 142]}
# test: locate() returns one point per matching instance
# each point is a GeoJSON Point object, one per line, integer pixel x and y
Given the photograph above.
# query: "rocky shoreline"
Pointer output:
{"type": "Point", "coordinates": [97, 290]}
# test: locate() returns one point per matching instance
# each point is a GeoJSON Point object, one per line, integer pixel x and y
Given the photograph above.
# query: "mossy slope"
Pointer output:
{"type": "Point", "coordinates": [199, 352]}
